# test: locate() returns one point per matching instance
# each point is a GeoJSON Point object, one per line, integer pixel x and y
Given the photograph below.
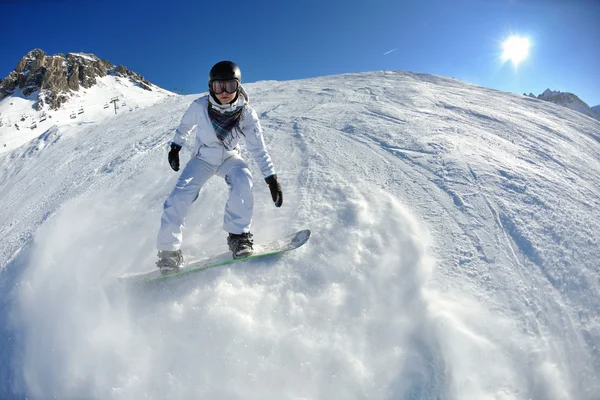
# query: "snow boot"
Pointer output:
{"type": "Point", "coordinates": [169, 261]}
{"type": "Point", "coordinates": [240, 245]}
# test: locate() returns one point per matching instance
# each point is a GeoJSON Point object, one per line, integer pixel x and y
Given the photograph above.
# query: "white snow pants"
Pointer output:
{"type": "Point", "coordinates": [238, 210]}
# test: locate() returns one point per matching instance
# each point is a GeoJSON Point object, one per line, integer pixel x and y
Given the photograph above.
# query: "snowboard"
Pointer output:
{"type": "Point", "coordinates": [274, 247]}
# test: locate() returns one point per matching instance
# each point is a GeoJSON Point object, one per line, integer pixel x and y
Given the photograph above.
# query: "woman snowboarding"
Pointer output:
{"type": "Point", "coordinates": [219, 120]}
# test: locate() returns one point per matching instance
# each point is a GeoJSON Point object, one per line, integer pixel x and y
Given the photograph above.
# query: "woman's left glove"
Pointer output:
{"type": "Point", "coordinates": [174, 156]}
{"type": "Point", "coordinates": [276, 193]}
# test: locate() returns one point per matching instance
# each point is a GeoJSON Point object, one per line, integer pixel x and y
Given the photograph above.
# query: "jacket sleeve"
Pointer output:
{"type": "Point", "coordinates": [255, 142]}
{"type": "Point", "coordinates": [188, 125]}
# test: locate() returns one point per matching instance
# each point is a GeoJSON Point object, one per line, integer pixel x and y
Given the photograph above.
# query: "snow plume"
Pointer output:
{"type": "Point", "coordinates": [453, 253]}
{"type": "Point", "coordinates": [341, 333]}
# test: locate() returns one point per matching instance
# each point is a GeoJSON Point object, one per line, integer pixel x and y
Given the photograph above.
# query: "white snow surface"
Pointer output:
{"type": "Point", "coordinates": [87, 56]}
{"type": "Point", "coordinates": [454, 253]}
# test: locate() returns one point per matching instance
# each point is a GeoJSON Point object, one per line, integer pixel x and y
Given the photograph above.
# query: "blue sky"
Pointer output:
{"type": "Point", "coordinates": [174, 43]}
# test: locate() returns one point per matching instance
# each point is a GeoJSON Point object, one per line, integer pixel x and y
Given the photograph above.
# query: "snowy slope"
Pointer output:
{"type": "Point", "coordinates": [454, 253]}
{"type": "Point", "coordinates": [20, 122]}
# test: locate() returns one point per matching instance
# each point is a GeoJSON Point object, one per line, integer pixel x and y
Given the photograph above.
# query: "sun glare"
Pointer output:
{"type": "Point", "coordinates": [515, 49]}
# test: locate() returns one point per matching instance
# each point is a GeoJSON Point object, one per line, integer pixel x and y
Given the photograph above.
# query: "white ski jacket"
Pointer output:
{"type": "Point", "coordinates": [208, 146]}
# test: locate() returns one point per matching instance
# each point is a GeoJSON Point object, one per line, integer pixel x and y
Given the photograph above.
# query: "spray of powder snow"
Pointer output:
{"type": "Point", "coordinates": [325, 321]}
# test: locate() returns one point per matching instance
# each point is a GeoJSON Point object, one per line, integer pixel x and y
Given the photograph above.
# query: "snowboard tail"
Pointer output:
{"type": "Point", "coordinates": [274, 247]}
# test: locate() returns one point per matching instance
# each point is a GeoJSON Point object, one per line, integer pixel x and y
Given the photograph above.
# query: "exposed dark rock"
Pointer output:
{"type": "Point", "coordinates": [143, 85]}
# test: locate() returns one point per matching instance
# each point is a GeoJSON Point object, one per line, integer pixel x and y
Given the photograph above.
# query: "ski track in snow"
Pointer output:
{"type": "Point", "coordinates": [453, 256]}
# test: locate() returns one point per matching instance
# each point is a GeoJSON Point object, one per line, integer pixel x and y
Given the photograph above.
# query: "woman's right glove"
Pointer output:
{"type": "Point", "coordinates": [276, 193]}
{"type": "Point", "coordinates": [174, 156]}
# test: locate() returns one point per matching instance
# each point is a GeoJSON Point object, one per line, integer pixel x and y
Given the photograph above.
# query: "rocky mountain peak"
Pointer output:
{"type": "Point", "coordinates": [32, 61]}
{"type": "Point", "coordinates": [559, 97]}
{"type": "Point", "coordinates": [568, 100]}
{"type": "Point", "coordinates": [52, 78]}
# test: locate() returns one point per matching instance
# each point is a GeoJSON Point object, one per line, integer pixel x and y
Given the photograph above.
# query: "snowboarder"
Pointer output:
{"type": "Point", "coordinates": [219, 120]}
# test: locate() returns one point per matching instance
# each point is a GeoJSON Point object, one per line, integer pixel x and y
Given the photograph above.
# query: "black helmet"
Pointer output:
{"type": "Point", "coordinates": [224, 70]}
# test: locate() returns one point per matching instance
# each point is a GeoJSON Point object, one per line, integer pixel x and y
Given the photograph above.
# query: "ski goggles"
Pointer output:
{"type": "Point", "coordinates": [230, 86]}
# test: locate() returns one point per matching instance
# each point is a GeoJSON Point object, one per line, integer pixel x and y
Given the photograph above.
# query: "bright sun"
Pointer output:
{"type": "Point", "coordinates": [516, 49]}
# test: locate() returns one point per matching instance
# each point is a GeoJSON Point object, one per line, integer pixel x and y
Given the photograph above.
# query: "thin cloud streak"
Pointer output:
{"type": "Point", "coordinates": [388, 52]}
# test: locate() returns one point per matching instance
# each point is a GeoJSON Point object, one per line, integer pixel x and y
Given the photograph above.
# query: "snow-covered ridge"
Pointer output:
{"type": "Point", "coordinates": [44, 91]}
{"type": "Point", "coordinates": [569, 100]}
{"type": "Point", "coordinates": [58, 75]}
{"type": "Point", "coordinates": [454, 253]}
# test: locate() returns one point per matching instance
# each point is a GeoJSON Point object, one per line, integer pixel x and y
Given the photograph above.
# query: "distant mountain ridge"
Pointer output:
{"type": "Point", "coordinates": [568, 100]}
{"type": "Point", "coordinates": [54, 77]}
{"type": "Point", "coordinates": [44, 92]}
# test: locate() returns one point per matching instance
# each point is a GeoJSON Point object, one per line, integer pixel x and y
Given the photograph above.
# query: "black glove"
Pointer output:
{"type": "Point", "coordinates": [276, 193]}
{"type": "Point", "coordinates": [174, 156]}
